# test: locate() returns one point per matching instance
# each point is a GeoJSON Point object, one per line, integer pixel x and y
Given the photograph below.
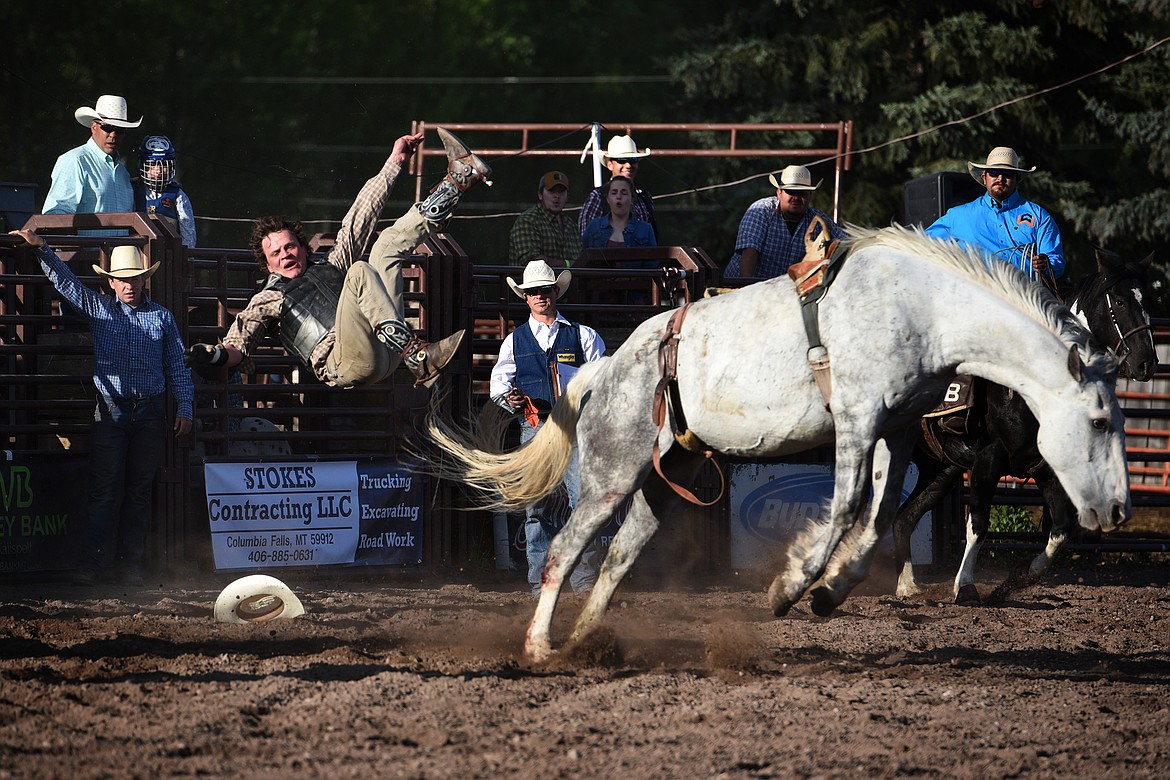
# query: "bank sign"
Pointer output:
{"type": "Point", "coordinates": [43, 507]}
{"type": "Point", "coordinates": [314, 512]}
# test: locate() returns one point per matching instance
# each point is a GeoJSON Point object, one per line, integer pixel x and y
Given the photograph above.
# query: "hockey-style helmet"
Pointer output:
{"type": "Point", "coordinates": [158, 161]}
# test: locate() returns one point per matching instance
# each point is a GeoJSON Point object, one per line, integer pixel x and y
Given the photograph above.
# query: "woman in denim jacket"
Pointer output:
{"type": "Point", "coordinates": [618, 228]}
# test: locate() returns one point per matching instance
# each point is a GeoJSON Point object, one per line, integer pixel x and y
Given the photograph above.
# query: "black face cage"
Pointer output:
{"type": "Point", "coordinates": [157, 174]}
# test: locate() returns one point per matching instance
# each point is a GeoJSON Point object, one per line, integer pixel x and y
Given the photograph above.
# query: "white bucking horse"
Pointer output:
{"type": "Point", "coordinates": [904, 314]}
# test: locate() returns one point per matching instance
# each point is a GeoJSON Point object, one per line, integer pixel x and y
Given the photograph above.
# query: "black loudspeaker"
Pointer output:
{"type": "Point", "coordinates": [928, 198]}
{"type": "Point", "coordinates": [17, 203]}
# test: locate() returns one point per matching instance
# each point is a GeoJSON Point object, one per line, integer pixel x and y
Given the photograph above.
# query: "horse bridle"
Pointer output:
{"type": "Point", "coordinates": [1121, 348]}
{"type": "Point", "coordinates": [1122, 337]}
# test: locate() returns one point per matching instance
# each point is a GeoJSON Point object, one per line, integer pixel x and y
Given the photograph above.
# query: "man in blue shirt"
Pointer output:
{"type": "Point", "coordinates": [137, 355]}
{"type": "Point", "coordinates": [90, 179]}
{"type": "Point", "coordinates": [1003, 223]}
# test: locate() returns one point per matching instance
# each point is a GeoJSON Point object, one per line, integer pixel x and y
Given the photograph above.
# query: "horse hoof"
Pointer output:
{"type": "Point", "coordinates": [968, 596]}
{"type": "Point", "coordinates": [538, 653]}
{"type": "Point", "coordinates": [823, 602]}
{"type": "Point", "coordinates": [778, 599]}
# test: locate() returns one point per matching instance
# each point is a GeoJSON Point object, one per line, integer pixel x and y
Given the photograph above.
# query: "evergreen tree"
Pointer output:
{"type": "Point", "coordinates": [919, 79]}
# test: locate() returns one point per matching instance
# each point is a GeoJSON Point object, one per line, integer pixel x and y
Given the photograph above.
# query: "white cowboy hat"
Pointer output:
{"type": "Point", "coordinates": [540, 274]}
{"type": "Point", "coordinates": [109, 109]}
{"type": "Point", "coordinates": [1002, 157]}
{"type": "Point", "coordinates": [794, 177]}
{"type": "Point", "coordinates": [622, 147]}
{"type": "Point", "coordinates": [256, 599]}
{"type": "Point", "coordinates": [126, 263]}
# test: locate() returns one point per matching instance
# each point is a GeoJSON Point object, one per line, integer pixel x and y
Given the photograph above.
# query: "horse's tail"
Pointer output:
{"type": "Point", "coordinates": [513, 480]}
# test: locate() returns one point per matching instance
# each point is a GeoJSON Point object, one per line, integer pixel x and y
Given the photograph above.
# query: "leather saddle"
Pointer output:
{"type": "Point", "coordinates": [951, 416]}
{"type": "Point", "coordinates": [819, 254]}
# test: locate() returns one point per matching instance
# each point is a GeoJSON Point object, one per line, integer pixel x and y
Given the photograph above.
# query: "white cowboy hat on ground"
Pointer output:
{"type": "Point", "coordinates": [540, 274]}
{"type": "Point", "coordinates": [109, 109]}
{"type": "Point", "coordinates": [794, 177]}
{"type": "Point", "coordinates": [1003, 158]}
{"type": "Point", "coordinates": [257, 598]}
{"type": "Point", "coordinates": [622, 147]}
{"type": "Point", "coordinates": [126, 262]}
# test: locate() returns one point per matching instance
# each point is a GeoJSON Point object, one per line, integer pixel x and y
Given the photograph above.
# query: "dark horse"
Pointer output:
{"type": "Point", "coordinates": [1001, 436]}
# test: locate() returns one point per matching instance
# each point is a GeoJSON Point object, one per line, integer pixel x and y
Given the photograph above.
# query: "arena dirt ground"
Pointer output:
{"type": "Point", "coordinates": [399, 676]}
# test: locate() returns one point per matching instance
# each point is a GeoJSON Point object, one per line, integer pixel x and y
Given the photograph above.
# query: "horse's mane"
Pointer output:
{"type": "Point", "coordinates": [1001, 279]}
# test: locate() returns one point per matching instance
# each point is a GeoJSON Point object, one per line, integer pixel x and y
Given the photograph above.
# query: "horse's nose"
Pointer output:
{"type": "Point", "coordinates": [1118, 516]}
{"type": "Point", "coordinates": [1144, 371]}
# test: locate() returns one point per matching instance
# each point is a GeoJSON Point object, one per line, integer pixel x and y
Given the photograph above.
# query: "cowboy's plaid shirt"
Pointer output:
{"type": "Point", "coordinates": [137, 352]}
{"type": "Point", "coordinates": [539, 232]}
{"type": "Point", "coordinates": [261, 317]}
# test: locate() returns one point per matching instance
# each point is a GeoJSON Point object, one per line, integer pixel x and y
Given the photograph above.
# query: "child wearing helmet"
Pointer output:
{"type": "Point", "coordinates": [157, 191]}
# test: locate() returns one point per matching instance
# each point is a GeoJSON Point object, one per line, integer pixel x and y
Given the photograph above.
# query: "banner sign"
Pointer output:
{"type": "Point", "coordinates": [772, 503]}
{"type": "Point", "coordinates": [314, 512]}
{"type": "Point", "coordinates": [43, 501]}
{"type": "Point", "coordinates": [391, 499]}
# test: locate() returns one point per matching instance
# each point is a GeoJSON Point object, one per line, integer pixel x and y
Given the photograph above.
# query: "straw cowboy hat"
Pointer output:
{"type": "Point", "coordinates": [1003, 158]}
{"type": "Point", "coordinates": [126, 263]}
{"type": "Point", "coordinates": [109, 110]}
{"type": "Point", "coordinates": [622, 147]}
{"type": "Point", "coordinates": [794, 177]}
{"type": "Point", "coordinates": [539, 274]}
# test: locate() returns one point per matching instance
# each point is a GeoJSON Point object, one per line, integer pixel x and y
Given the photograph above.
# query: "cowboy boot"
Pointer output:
{"type": "Point", "coordinates": [426, 360]}
{"type": "Point", "coordinates": [464, 169]}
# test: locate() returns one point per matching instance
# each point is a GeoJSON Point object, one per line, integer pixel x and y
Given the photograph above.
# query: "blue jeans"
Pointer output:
{"type": "Point", "coordinates": [128, 444]}
{"type": "Point", "coordinates": [544, 519]}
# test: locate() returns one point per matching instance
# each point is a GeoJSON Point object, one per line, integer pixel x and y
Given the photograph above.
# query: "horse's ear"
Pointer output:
{"type": "Point", "coordinates": [1107, 260]}
{"type": "Point", "coordinates": [1146, 261]}
{"type": "Point", "coordinates": [1074, 363]}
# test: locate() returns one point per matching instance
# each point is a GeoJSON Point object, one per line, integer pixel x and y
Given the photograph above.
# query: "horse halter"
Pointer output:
{"type": "Point", "coordinates": [1121, 348]}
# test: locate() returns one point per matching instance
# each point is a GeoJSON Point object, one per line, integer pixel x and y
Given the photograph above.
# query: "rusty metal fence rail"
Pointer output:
{"type": "Point", "coordinates": [808, 141]}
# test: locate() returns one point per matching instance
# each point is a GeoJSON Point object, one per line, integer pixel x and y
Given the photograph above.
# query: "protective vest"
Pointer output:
{"type": "Point", "coordinates": [534, 365]}
{"type": "Point", "coordinates": [164, 203]}
{"type": "Point", "coordinates": [309, 307]}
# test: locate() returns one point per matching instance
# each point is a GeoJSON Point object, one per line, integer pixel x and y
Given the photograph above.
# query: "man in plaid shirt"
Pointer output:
{"type": "Point", "coordinates": [543, 232]}
{"type": "Point", "coordinates": [771, 233]}
{"type": "Point", "coordinates": [340, 315]}
{"type": "Point", "coordinates": [137, 355]}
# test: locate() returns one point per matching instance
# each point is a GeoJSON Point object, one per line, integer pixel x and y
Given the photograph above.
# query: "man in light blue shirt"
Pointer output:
{"type": "Point", "coordinates": [91, 179]}
{"type": "Point", "coordinates": [1003, 223]}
